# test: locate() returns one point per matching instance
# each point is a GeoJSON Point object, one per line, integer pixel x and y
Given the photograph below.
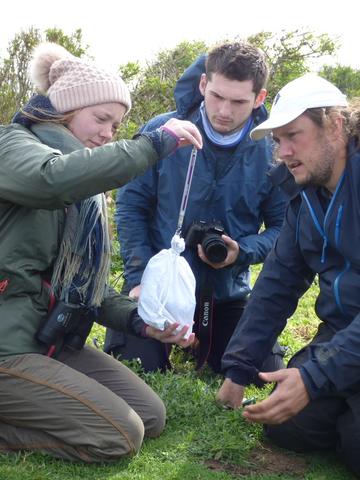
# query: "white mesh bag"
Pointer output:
{"type": "Point", "coordinates": [168, 289]}
{"type": "Point", "coordinates": [167, 292]}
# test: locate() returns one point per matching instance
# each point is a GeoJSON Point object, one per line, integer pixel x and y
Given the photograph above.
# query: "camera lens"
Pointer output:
{"type": "Point", "coordinates": [214, 248]}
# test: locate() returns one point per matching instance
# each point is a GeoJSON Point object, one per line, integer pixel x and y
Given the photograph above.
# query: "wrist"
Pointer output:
{"type": "Point", "coordinates": [144, 331]}
{"type": "Point", "coordinates": [137, 326]}
{"type": "Point", "coordinates": [164, 141]}
{"type": "Point", "coordinates": [170, 132]}
{"type": "Point", "coordinates": [242, 376]}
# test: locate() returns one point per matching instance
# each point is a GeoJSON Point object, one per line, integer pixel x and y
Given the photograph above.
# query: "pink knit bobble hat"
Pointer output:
{"type": "Point", "coordinates": [71, 83]}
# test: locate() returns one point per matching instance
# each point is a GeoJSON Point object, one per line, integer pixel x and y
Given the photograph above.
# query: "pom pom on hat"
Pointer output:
{"type": "Point", "coordinates": [43, 58]}
{"type": "Point", "coordinates": [71, 83]}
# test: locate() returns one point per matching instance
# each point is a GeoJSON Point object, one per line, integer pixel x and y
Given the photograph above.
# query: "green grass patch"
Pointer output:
{"type": "Point", "coordinates": [202, 440]}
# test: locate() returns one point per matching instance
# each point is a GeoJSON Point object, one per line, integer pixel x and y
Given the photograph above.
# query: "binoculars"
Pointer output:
{"type": "Point", "coordinates": [67, 321]}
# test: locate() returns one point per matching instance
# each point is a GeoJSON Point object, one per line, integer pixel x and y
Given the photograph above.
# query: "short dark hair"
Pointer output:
{"type": "Point", "coordinates": [238, 61]}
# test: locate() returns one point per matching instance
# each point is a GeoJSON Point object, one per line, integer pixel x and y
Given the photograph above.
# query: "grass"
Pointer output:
{"type": "Point", "coordinates": [202, 441]}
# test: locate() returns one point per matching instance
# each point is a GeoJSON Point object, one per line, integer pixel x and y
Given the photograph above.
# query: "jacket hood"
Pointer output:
{"type": "Point", "coordinates": [188, 96]}
{"type": "Point", "coordinates": [187, 93]}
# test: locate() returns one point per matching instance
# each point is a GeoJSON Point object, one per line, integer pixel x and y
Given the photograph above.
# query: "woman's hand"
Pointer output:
{"type": "Point", "coordinates": [168, 335]}
{"type": "Point", "coordinates": [185, 132]}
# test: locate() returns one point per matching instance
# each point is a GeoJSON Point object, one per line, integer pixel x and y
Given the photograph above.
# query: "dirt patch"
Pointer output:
{"type": "Point", "coordinates": [265, 460]}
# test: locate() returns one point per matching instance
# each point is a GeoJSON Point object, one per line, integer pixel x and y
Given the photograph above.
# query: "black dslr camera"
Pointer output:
{"type": "Point", "coordinates": [208, 234]}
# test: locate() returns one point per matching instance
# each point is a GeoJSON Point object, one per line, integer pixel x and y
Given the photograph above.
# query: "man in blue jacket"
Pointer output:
{"type": "Point", "coordinates": [316, 403]}
{"type": "Point", "coordinates": [223, 94]}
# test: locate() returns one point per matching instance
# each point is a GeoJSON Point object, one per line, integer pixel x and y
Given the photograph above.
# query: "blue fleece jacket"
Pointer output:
{"type": "Point", "coordinates": [229, 185]}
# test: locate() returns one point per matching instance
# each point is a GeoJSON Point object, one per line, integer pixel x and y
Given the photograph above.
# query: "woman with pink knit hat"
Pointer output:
{"type": "Point", "coordinates": [57, 395]}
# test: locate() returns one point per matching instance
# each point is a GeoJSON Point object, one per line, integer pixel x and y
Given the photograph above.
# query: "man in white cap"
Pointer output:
{"type": "Point", "coordinates": [316, 402]}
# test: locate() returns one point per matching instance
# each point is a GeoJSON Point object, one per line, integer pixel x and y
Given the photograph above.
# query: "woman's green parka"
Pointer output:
{"type": "Point", "coordinates": [37, 184]}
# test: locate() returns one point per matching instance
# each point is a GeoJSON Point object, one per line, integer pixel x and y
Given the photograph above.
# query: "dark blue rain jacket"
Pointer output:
{"type": "Point", "coordinates": [319, 237]}
{"type": "Point", "coordinates": [231, 186]}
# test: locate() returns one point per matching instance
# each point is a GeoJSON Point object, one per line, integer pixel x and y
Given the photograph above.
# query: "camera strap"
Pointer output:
{"type": "Point", "coordinates": [186, 191]}
{"type": "Point", "coordinates": [205, 319]}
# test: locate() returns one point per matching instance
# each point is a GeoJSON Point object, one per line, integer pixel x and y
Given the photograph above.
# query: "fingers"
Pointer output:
{"type": "Point", "coordinates": [232, 254]}
{"type": "Point", "coordinates": [186, 131]}
{"type": "Point", "coordinates": [230, 394]}
{"type": "Point", "coordinates": [263, 412]}
{"type": "Point", "coordinates": [162, 335]}
{"type": "Point", "coordinates": [186, 343]}
{"type": "Point", "coordinates": [271, 411]}
{"type": "Point", "coordinates": [289, 397]}
{"type": "Point", "coordinates": [204, 258]}
{"type": "Point", "coordinates": [190, 136]}
{"type": "Point", "coordinates": [270, 377]}
{"type": "Point", "coordinates": [179, 336]}
{"type": "Point", "coordinates": [169, 335]}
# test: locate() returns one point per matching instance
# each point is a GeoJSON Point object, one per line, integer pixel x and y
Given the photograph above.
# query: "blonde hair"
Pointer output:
{"type": "Point", "coordinates": [40, 115]}
{"type": "Point", "coordinates": [350, 114]}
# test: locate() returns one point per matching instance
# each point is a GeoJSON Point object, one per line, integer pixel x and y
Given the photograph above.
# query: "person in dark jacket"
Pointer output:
{"type": "Point", "coordinates": [57, 158]}
{"type": "Point", "coordinates": [231, 194]}
{"type": "Point", "coordinates": [316, 402]}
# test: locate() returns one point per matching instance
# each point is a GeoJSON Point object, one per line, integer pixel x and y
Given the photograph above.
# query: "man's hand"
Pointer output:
{"type": "Point", "coordinates": [135, 292]}
{"type": "Point", "coordinates": [168, 335]}
{"type": "Point", "coordinates": [233, 252]}
{"type": "Point", "coordinates": [289, 397]}
{"type": "Point", "coordinates": [230, 394]}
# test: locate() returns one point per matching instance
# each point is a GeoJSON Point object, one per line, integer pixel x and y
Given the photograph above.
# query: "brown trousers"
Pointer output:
{"type": "Point", "coordinates": [83, 406]}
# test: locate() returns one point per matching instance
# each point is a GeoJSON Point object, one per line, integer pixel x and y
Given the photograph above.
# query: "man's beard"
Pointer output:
{"type": "Point", "coordinates": [324, 170]}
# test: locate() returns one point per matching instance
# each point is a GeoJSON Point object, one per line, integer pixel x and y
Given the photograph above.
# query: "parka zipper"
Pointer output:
{"type": "Point", "coordinates": [337, 225]}
{"type": "Point", "coordinates": [322, 230]}
{"type": "Point", "coordinates": [317, 225]}
{"type": "Point", "coordinates": [336, 284]}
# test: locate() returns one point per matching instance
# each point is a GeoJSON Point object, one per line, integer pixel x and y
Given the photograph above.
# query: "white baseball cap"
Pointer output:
{"type": "Point", "coordinates": [308, 91]}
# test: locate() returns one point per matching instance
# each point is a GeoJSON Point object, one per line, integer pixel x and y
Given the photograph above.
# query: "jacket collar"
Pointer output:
{"type": "Point", "coordinates": [56, 136]}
